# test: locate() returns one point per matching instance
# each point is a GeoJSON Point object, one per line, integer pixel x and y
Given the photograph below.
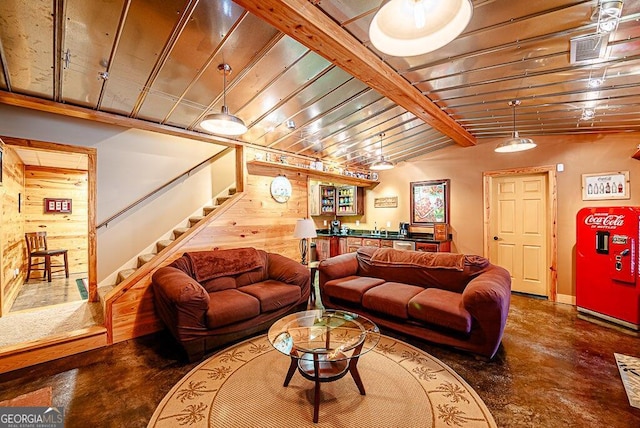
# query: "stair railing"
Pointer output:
{"type": "Point", "coordinates": [167, 184]}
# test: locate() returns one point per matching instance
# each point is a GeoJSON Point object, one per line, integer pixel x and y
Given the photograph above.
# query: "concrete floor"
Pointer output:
{"type": "Point", "coordinates": [552, 370]}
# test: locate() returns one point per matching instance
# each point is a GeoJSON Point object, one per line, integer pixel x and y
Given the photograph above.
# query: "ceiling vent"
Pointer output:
{"type": "Point", "coordinates": [590, 47]}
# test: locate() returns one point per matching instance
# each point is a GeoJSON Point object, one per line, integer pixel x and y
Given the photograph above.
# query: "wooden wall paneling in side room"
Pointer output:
{"type": "Point", "coordinates": [64, 231]}
{"type": "Point", "coordinates": [254, 220]}
{"type": "Point", "coordinates": [12, 239]}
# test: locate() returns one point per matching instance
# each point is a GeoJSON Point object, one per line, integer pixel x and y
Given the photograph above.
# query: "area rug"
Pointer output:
{"type": "Point", "coordinates": [242, 386]}
{"type": "Point", "coordinates": [629, 368]}
{"type": "Point", "coordinates": [39, 398]}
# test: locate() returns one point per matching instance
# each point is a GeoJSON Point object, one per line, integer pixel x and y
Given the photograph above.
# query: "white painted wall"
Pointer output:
{"type": "Point", "coordinates": [131, 163]}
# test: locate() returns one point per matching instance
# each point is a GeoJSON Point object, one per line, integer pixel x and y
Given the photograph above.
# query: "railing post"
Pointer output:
{"type": "Point", "coordinates": [240, 173]}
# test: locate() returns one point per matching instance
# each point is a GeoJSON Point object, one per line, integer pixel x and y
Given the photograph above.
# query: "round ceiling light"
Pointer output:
{"type": "Point", "coordinates": [415, 27]}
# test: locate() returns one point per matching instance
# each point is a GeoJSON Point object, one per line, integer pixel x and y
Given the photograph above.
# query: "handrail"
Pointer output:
{"type": "Point", "coordinates": [169, 183]}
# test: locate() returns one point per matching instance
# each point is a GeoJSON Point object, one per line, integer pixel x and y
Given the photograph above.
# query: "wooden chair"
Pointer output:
{"type": "Point", "coordinates": [37, 248]}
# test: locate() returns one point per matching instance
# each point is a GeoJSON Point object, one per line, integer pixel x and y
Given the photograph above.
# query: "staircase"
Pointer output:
{"type": "Point", "coordinates": [164, 243]}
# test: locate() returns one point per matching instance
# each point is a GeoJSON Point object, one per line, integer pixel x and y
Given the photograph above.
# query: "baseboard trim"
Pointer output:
{"type": "Point", "coordinates": [566, 299]}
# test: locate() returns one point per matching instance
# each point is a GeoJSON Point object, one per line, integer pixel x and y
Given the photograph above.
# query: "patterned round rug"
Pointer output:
{"type": "Point", "coordinates": [242, 386]}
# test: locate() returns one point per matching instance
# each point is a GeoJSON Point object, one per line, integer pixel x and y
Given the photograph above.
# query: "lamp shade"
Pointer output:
{"type": "Point", "coordinates": [223, 123]}
{"type": "Point", "coordinates": [515, 144]}
{"type": "Point", "coordinates": [305, 228]}
{"type": "Point", "coordinates": [409, 28]}
{"type": "Point", "coordinates": [381, 165]}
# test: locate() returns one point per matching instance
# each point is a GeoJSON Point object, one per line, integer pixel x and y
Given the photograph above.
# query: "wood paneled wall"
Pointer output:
{"type": "Point", "coordinates": [64, 231]}
{"type": "Point", "coordinates": [254, 220]}
{"type": "Point", "coordinates": [12, 245]}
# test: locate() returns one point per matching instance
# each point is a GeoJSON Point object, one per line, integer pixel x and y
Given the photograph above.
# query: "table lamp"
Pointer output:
{"type": "Point", "coordinates": [305, 228]}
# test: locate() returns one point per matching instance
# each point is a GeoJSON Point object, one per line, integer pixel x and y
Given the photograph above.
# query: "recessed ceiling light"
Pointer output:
{"type": "Point", "coordinates": [588, 114]}
{"type": "Point", "coordinates": [595, 82]}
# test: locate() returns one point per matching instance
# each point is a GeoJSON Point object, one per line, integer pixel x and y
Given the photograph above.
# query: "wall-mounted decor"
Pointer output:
{"type": "Point", "coordinates": [57, 205]}
{"type": "Point", "coordinates": [605, 185]}
{"type": "Point", "coordinates": [281, 189]}
{"type": "Point", "coordinates": [429, 202]}
{"type": "Point", "coordinates": [388, 202]}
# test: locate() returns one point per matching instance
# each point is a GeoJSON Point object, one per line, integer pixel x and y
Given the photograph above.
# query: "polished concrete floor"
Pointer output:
{"type": "Point", "coordinates": [39, 293]}
{"type": "Point", "coordinates": [552, 370]}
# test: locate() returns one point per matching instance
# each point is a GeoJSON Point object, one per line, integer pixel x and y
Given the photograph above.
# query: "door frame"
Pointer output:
{"type": "Point", "coordinates": [552, 217]}
{"type": "Point", "coordinates": [92, 154]}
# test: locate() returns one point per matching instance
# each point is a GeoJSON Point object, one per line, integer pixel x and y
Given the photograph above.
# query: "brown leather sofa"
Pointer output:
{"type": "Point", "coordinates": [447, 298]}
{"type": "Point", "coordinates": [210, 298]}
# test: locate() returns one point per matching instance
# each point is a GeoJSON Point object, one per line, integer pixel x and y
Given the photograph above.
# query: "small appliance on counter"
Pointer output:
{"type": "Point", "coordinates": [344, 230]}
{"type": "Point", "coordinates": [403, 230]}
{"type": "Point", "coordinates": [335, 227]}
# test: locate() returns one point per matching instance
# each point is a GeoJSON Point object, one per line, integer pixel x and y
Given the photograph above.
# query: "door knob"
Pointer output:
{"type": "Point", "coordinates": [495, 238]}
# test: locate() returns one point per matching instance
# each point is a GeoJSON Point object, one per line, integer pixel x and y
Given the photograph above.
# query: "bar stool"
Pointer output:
{"type": "Point", "coordinates": [37, 248]}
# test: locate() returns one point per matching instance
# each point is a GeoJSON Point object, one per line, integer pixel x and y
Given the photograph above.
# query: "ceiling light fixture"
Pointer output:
{"type": "Point", "coordinates": [595, 82]}
{"type": "Point", "coordinates": [224, 123]}
{"type": "Point", "coordinates": [515, 143]}
{"type": "Point", "coordinates": [609, 13]}
{"type": "Point", "coordinates": [588, 114]}
{"type": "Point", "coordinates": [381, 164]}
{"type": "Point", "coordinates": [415, 27]}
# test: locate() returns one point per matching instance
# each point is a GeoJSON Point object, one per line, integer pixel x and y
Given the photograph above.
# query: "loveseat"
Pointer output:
{"type": "Point", "coordinates": [451, 299]}
{"type": "Point", "coordinates": [210, 298]}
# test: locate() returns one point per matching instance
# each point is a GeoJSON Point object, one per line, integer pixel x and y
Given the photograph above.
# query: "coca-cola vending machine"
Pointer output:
{"type": "Point", "coordinates": [607, 281]}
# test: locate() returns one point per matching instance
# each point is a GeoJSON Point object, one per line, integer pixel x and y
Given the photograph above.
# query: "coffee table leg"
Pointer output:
{"type": "Point", "coordinates": [292, 370]}
{"type": "Point", "coordinates": [316, 394]}
{"type": "Point", "coordinates": [353, 369]}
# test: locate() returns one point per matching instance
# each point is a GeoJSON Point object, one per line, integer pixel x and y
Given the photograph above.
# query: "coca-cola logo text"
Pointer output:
{"type": "Point", "coordinates": [604, 220]}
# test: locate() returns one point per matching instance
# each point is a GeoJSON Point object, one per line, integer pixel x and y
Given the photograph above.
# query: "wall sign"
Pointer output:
{"type": "Point", "coordinates": [388, 202]}
{"type": "Point", "coordinates": [606, 185]}
{"type": "Point", "coordinates": [57, 205]}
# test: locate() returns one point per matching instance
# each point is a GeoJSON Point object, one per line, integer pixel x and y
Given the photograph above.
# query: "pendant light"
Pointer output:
{"type": "Point", "coordinates": [516, 143]}
{"type": "Point", "coordinates": [415, 27]}
{"type": "Point", "coordinates": [381, 164]}
{"type": "Point", "coordinates": [224, 123]}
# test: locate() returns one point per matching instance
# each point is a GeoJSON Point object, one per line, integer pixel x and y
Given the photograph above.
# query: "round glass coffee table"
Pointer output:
{"type": "Point", "coordinates": [324, 345]}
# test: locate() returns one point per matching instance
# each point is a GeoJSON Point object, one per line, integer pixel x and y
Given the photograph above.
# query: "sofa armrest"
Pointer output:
{"type": "Point", "coordinates": [338, 267]}
{"type": "Point", "coordinates": [487, 298]}
{"type": "Point", "coordinates": [289, 271]}
{"type": "Point", "coordinates": [181, 302]}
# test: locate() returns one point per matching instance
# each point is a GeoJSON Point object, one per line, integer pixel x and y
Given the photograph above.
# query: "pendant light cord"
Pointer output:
{"type": "Point", "coordinates": [224, 86]}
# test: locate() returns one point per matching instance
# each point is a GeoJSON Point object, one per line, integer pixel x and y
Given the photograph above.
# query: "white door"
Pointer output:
{"type": "Point", "coordinates": [518, 230]}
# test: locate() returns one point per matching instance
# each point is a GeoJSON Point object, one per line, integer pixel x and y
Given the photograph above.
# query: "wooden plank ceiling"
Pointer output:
{"type": "Point", "coordinates": [306, 79]}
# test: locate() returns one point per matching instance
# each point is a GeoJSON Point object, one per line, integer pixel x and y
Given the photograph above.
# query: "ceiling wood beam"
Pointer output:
{"type": "Point", "coordinates": [305, 23]}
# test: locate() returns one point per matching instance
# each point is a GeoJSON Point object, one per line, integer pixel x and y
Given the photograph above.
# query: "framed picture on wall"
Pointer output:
{"type": "Point", "coordinates": [605, 185]}
{"type": "Point", "coordinates": [429, 202]}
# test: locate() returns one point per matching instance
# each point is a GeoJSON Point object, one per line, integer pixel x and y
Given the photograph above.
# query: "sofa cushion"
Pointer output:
{"type": "Point", "coordinates": [441, 307]}
{"type": "Point", "coordinates": [390, 298]}
{"type": "Point", "coordinates": [219, 284]}
{"type": "Point", "coordinates": [273, 294]}
{"type": "Point", "coordinates": [230, 306]}
{"type": "Point", "coordinates": [350, 288]}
